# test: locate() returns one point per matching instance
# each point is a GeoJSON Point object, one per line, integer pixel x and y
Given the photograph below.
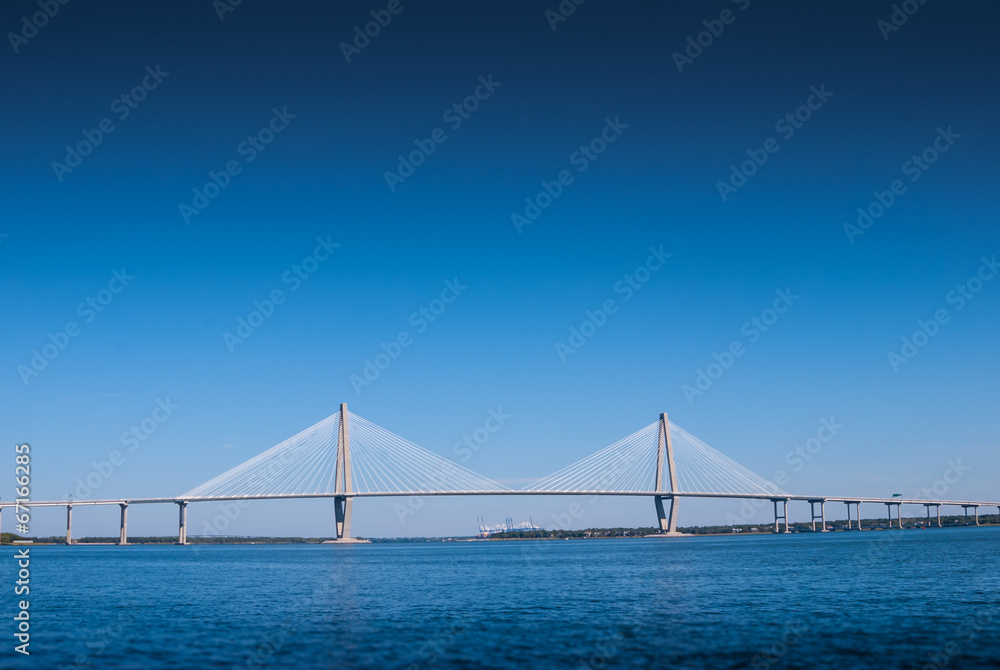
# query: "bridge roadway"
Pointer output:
{"type": "Point", "coordinates": [182, 503]}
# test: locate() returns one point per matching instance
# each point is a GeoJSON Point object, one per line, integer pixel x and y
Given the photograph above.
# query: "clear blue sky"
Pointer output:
{"type": "Point", "coordinates": [162, 337]}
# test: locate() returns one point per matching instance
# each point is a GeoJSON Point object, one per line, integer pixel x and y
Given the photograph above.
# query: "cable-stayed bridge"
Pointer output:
{"type": "Point", "coordinates": [344, 457]}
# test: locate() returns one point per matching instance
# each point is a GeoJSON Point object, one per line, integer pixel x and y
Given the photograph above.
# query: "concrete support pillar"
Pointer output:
{"type": "Point", "coordinates": [69, 524]}
{"type": "Point", "coordinates": [123, 529]}
{"type": "Point", "coordinates": [857, 505]}
{"type": "Point", "coordinates": [667, 520]}
{"type": "Point", "coordinates": [938, 509]}
{"type": "Point", "coordinates": [975, 510]}
{"type": "Point", "coordinates": [182, 535]}
{"type": "Point", "coordinates": [342, 511]}
{"type": "Point", "coordinates": [899, 516]}
{"type": "Point", "coordinates": [821, 516]}
{"type": "Point", "coordinates": [782, 516]}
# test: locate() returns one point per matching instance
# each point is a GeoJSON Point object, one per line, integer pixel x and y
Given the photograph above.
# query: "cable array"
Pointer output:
{"type": "Point", "coordinates": [702, 469]}
{"type": "Point", "coordinates": [383, 462]}
{"type": "Point", "coordinates": [628, 465]}
{"type": "Point", "coordinates": [302, 464]}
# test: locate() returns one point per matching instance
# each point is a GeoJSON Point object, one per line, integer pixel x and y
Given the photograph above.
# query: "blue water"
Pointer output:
{"type": "Point", "coordinates": [910, 599]}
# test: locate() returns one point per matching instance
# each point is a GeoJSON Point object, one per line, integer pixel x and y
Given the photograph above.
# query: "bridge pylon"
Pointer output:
{"type": "Point", "coordinates": [342, 480]}
{"type": "Point", "coordinates": [665, 452]}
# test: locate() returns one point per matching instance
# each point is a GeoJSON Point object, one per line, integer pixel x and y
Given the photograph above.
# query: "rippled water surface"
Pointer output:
{"type": "Point", "coordinates": [903, 599]}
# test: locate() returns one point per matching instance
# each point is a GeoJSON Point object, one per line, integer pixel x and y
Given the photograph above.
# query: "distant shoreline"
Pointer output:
{"type": "Point", "coordinates": [589, 534]}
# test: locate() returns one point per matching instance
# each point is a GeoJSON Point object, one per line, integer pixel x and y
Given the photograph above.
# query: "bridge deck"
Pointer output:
{"type": "Point", "coordinates": [360, 494]}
